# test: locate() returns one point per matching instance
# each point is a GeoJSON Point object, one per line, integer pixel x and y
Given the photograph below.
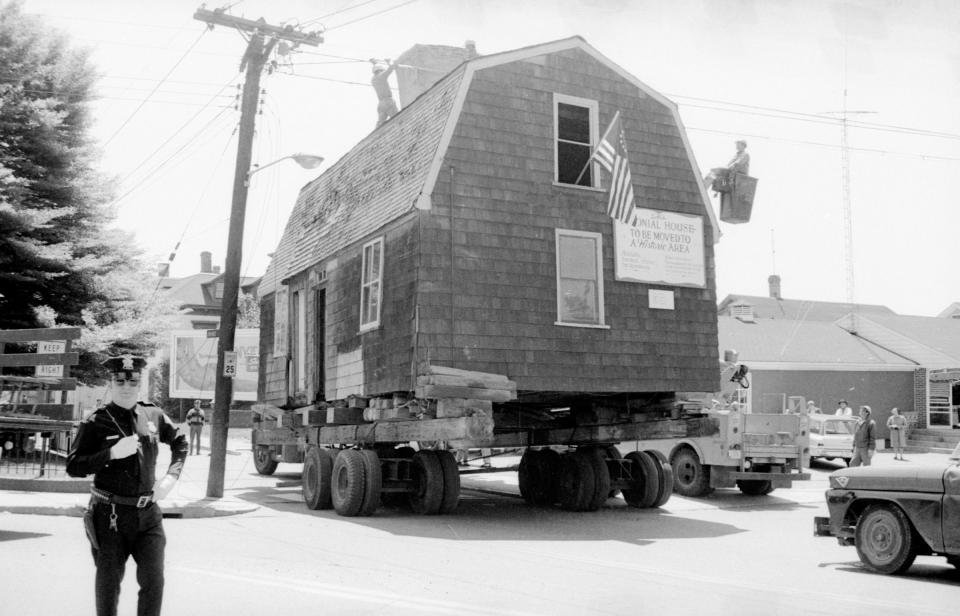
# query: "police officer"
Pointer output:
{"type": "Point", "coordinates": [118, 444]}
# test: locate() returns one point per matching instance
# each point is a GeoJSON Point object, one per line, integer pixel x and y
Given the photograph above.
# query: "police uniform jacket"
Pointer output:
{"type": "Point", "coordinates": [133, 475]}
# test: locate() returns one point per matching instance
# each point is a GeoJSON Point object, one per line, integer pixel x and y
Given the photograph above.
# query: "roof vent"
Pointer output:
{"type": "Point", "coordinates": [743, 312]}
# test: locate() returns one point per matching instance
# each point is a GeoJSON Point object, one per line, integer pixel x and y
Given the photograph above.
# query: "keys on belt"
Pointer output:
{"type": "Point", "coordinates": [139, 502]}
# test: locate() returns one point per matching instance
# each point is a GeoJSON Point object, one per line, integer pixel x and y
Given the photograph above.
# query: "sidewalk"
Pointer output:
{"type": "Point", "coordinates": [186, 500]}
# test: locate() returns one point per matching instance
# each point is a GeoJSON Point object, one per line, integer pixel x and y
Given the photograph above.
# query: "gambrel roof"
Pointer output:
{"type": "Point", "coordinates": [393, 170]}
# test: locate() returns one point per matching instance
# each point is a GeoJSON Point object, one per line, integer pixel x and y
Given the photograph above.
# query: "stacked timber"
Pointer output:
{"type": "Point", "coordinates": [462, 393]}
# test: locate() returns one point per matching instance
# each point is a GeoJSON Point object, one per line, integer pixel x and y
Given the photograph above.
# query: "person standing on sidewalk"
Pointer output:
{"type": "Point", "coordinates": [195, 419]}
{"type": "Point", "coordinates": [864, 441]}
{"type": "Point", "coordinates": [897, 424]}
{"type": "Point", "coordinates": [118, 445]}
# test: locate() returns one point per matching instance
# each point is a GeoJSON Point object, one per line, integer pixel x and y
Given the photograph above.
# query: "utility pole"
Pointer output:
{"type": "Point", "coordinates": [263, 38]}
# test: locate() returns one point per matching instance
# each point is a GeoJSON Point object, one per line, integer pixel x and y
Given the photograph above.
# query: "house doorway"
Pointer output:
{"type": "Point", "coordinates": [320, 351]}
{"type": "Point", "coordinates": [943, 410]}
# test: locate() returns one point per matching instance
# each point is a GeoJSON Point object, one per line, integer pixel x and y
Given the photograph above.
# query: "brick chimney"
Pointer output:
{"type": "Point", "coordinates": [163, 270]}
{"type": "Point", "coordinates": [421, 66]}
{"type": "Point", "coordinates": [206, 262]}
{"type": "Point", "coordinates": [774, 281]}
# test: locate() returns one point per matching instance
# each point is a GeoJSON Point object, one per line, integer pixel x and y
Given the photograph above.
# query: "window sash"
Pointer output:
{"type": "Point", "coordinates": [575, 132]}
{"type": "Point", "coordinates": [371, 287]}
{"type": "Point", "coordinates": [579, 278]}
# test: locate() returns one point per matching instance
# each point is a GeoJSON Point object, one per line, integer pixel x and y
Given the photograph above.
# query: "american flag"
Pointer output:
{"type": "Point", "coordinates": [611, 153]}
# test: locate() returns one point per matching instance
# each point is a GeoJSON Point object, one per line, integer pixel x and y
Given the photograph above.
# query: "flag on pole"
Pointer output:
{"type": "Point", "coordinates": [611, 153]}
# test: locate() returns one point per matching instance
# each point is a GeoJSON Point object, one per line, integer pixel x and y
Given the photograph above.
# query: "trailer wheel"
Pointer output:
{"type": "Point", "coordinates": [348, 483]}
{"type": "Point", "coordinates": [646, 481]}
{"type": "Point", "coordinates": [451, 482]}
{"type": "Point", "coordinates": [601, 476]}
{"type": "Point", "coordinates": [884, 539]}
{"type": "Point", "coordinates": [315, 481]}
{"type": "Point", "coordinates": [263, 460]}
{"type": "Point", "coordinates": [691, 478]}
{"type": "Point", "coordinates": [534, 477]}
{"type": "Point", "coordinates": [427, 494]}
{"type": "Point", "coordinates": [755, 487]}
{"type": "Point", "coordinates": [666, 473]}
{"type": "Point", "coordinates": [577, 483]}
{"type": "Point", "coordinates": [371, 482]}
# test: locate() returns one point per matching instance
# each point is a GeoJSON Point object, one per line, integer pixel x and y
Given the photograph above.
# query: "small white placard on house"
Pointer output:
{"type": "Point", "coordinates": [661, 300]}
{"type": "Point", "coordinates": [662, 247]}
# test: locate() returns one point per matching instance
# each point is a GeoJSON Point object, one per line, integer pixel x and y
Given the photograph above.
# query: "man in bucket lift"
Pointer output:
{"type": "Point", "coordinates": [720, 179]}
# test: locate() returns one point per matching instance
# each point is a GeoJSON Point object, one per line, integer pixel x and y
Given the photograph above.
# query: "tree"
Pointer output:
{"type": "Point", "coordinates": [60, 262]}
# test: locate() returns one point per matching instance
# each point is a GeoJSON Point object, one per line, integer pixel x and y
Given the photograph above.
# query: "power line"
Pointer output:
{"type": "Point", "coordinates": [832, 146]}
{"type": "Point", "coordinates": [343, 10]}
{"type": "Point", "coordinates": [191, 141]}
{"type": "Point", "coordinates": [139, 107]}
{"type": "Point", "coordinates": [179, 130]}
{"type": "Point", "coordinates": [381, 12]}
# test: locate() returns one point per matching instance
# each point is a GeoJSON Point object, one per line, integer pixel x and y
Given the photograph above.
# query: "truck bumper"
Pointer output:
{"type": "Point", "coordinates": [723, 478]}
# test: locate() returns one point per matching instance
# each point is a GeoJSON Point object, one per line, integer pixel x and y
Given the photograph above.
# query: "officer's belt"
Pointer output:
{"type": "Point", "coordinates": [102, 496]}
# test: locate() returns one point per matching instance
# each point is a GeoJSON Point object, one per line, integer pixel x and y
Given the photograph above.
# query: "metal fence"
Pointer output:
{"type": "Point", "coordinates": [33, 455]}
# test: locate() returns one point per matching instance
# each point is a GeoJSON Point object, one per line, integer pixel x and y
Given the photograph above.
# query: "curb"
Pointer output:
{"type": "Point", "coordinates": [206, 508]}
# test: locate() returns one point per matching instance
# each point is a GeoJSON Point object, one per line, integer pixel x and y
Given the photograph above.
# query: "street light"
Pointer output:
{"type": "Point", "coordinates": [223, 389]}
{"type": "Point", "coordinates": [307, 161]}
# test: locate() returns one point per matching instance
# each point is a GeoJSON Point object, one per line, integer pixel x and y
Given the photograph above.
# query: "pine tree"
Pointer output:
{"type": "Point", "coordinates": [60, 261]}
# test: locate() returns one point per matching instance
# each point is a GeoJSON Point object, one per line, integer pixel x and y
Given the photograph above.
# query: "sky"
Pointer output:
{"type": "Point", "coordinates": [780, 74]}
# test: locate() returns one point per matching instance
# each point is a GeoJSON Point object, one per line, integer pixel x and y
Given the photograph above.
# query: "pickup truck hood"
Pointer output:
{"type": "Point", "coordinates": [907, 478]}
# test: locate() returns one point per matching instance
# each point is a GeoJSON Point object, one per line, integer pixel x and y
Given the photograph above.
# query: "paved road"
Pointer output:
{"type": "Point", "coordinates": [727, 554]}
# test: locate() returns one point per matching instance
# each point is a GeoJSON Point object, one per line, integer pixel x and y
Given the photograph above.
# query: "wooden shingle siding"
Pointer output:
{"type": "Point", "coordinates": [506, 210]}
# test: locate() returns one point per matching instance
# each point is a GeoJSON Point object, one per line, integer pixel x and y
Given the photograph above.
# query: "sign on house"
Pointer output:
{"type": "Point", "coordinates": [193, 364]}
{"type": "Point", "coordinates": [662, 247]}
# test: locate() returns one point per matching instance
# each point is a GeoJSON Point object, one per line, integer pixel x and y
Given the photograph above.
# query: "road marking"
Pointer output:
{"type": "Point", "coordinates": [365, 594]}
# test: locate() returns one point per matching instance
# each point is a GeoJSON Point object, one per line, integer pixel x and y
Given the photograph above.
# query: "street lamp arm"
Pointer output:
{"type": "Point", "coordinates": [307, 161]}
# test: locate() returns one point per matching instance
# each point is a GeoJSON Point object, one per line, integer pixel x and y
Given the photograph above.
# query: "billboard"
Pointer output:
{"type": "Point", "coordinates": [193, 364]}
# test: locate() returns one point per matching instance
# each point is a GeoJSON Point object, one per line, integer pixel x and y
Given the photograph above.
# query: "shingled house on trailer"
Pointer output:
{"type": "Point", "coordinates": [458, 234]}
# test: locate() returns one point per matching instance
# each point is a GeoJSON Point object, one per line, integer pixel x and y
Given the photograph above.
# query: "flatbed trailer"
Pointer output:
{"type": "Point", "coordinates": [406, 449]}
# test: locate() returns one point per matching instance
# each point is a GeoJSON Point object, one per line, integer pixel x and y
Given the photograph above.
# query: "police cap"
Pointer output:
{"type": "Point", "coordinates": [124, 364]}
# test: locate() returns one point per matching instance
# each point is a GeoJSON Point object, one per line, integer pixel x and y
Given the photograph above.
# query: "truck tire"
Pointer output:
{"type": "Point", "coordinates": [755, 487]}
{"type": "Point", "coordinates": [884, 539]}
{"type": "Point", "coordinates": [576, 486]}
{"type": "Point", "coordinates": [315, 481]}
{"type": "Point", "coordinates": [691, 478]}
{"type": "Point", "coordinates": [348, 482]}
{"type": "Point", "coordinates": [666, 472]}
{"type": "Point", "coordinates": [537, 476]}
{"type": "Point", "coordinates": [601, 476]}
{"type": "Point", "coordinates": [451, 482]}
{"type": "Point", "coordinates": [263, 460]}
{"type": "Point", "coordinates": [646, 480]}
{"type": "Point", "coordinates": [371, 482]}
{"type": "Point", "coordinates": [427, 494]}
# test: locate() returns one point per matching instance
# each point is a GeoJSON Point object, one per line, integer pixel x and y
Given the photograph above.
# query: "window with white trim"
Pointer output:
{"type": "Point", "coordinates": [579, 278]}
{"type": "Point", "coordinates": [575, 130]}
{"type": "Point", "coordinates": [371, 284]}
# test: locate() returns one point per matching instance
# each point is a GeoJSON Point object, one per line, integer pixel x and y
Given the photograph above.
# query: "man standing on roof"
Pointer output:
{"type": "Point", "coordinates": [387, 107]}
{"type": "Point", "coordinates": [118, 444]}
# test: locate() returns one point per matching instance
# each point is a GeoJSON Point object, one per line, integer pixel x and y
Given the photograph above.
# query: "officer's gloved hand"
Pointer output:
{"type": "Point", "coordinates": [162, 487]}
{"type": "Point", "coordinates": [125, 447]}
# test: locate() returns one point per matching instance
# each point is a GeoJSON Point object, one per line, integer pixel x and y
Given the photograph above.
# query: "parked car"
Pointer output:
{"type": "Point", "coordinates": [831, 436]}
{"type": "Point", "coordinates": [893, 513]}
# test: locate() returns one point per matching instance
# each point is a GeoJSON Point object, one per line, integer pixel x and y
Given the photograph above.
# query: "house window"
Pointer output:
{"type": "Point", "coordinates": [575, 126]}
{"type": "Point", "coordinates": [218, 290]}
{"type": "Point", "coordinates": [371, 284]}
{"type": "Point", "coordinates": [579, 278]}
